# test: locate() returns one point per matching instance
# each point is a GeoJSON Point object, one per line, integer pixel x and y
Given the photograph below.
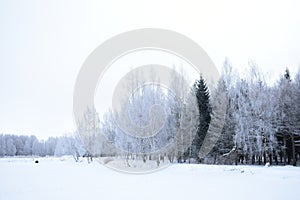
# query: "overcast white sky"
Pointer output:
{"type": "Point", "coordinates": [44, 43]}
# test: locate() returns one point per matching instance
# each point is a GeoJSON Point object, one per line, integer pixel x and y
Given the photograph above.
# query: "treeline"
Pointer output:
{"type": "Point", "coordinates": [23, 145]}
{"type": "Point", "coordinates": [260, 123]}
{"type": "Point", "coordinates": [241, 120]}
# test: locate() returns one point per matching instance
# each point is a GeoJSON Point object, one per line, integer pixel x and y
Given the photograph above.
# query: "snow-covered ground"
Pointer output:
{"type": "Point", "coordinates": [62, 178]}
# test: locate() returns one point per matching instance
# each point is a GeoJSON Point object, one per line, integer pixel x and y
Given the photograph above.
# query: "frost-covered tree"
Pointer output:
{"type": "Point", "coordinates": [68, 145]}
{"type": "Point", "coordinates": [29, 144]}
{"type": "Point", "coordinates": [243, 138]}
{"type": "Point", "coordinates": [108, 129]}
{"type": "Point", "coordinates": [88, 131]}
{"type": "Point", "coordinates": [38, 148]}
{"type": "Point", "coordinates": [2, 146]}
{"type": "Point", "coordinates": [156, 121]}
{"type": "Point", "coordinates": [262, 105]}
{"type": "Point", "coordinates": [10, 146]}
{"type": "Point", "coordinates": [19, 142]}
{"type": "Point", "coordinates": [287, 118]}
{"type": "Point", "coordinates": [50, 146]}
{"type": "Point", "coordinates": [225, 146]}
{"type": "Point", "coordinates": [296, 109]}
{"type": "Point", "coordinates": [220, 123]}
{"type": "Point", "coordinates": [77, 148]}
{"type": "Point", "coordinates": [182, 115]}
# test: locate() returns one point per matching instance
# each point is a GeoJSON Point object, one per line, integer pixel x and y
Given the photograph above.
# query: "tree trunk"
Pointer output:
{"type": "Point", "coordinates": [270, 159]}
{"type": "Point", "coordinates": [253, 159]}
{"type": "Point", "coordinates": [284, 150]}
{"type": "Point", "coordinates": [293, 150]}
{"type": "Point", "coordinates": [265, 158]}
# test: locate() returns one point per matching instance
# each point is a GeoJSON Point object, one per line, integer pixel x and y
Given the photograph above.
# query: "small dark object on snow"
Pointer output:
{"type": "Point", "coordinates": [36, 161]}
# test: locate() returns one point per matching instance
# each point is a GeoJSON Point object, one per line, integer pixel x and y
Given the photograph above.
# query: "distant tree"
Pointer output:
{"type": "Point", "coordinates": [50, 146]}
{"type": "Point", "coordinates": [38, 148]}
{"type": "Point", "coordinates": [63, 146]}
{"type": "Point", "coordinates": [29, 144]}
{"type": "Point", "coordinates": [10, 146]}
{"type": "Point", "coordinates": [2, 146]}
{"type": "Point", "coordinates": [19, 142]}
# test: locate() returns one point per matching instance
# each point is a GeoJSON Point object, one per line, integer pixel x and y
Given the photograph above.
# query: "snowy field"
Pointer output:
{"type": "Point", "coordinates": [62, 178]}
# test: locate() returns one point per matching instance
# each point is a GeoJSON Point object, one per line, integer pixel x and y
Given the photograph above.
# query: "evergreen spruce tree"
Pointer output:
{"type": "Point", "coordinates": [204, 108]}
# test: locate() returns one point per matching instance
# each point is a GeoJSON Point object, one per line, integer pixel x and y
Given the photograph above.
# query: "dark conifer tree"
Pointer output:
{"type": "Point", "coordinates": [203, 102]}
